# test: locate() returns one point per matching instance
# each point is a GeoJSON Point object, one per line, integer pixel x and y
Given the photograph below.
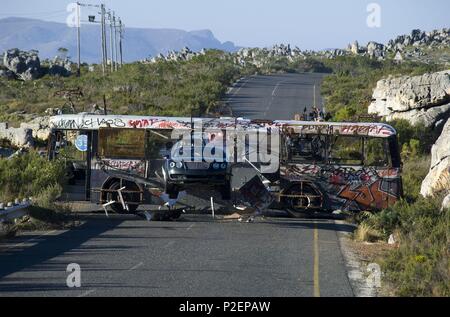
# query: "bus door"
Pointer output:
{"type": "Point", "coordinates": [159, 144]}
{"type": "Point", "coordinates": [75, 148]}
{"type": "Point", "coordinates": [378, 156]}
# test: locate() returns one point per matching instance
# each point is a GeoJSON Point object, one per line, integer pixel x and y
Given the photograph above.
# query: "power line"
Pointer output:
{"type": "Point", "coordinates": [116, 29]}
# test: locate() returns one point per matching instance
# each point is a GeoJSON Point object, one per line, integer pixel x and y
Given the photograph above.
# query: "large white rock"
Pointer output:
{"type": "Point", "coordinates": [419, 99]}
{"type": "Point", "coordinates": [438, 179]}
{"type": "Point", "coordinates": [18, 136]}
{"type": "Point", "coordinates": [39, 126]}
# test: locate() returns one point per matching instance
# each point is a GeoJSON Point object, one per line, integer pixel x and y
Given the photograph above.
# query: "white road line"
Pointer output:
{"type": "Point", "coordinates": [87, 293]}
{"type": "Point", "coordinates": [136, 266]}
{"type": "Point", "coordinates": [276, 87]}
{"type": "Point", "coordinates": [239, 89]}
{"type": "Point", "coordinates": [190, 227]}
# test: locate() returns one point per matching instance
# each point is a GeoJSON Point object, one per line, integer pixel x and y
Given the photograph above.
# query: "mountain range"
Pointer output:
{"type": "Point", "coordinates": [139, 43]}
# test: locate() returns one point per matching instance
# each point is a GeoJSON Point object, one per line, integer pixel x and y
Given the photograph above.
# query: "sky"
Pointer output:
{"type": "Point", "coordinates": [314, 24]}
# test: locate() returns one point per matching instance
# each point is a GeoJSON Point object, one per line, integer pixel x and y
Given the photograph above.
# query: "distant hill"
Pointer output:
{"type": "Point", "coordinates": [47, 37]}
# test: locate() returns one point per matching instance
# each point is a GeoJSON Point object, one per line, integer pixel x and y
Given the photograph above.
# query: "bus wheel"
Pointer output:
{"type": "Point", "coordinates": [301, 200]}
{"type": "Point", "coordinates": [128, 197]}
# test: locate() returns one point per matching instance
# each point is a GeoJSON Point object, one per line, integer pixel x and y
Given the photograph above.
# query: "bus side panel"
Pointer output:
{"type": "Point", "coordinates": [348, 188]}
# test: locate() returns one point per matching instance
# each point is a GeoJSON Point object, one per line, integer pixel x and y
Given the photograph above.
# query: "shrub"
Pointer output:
{"type": "Point", "coordinates": [46, 212]}
{"type": "Point", "coordinates": [366, 233]}
{"type": "Point", "coordinates": [414, 171]}
{"type": "Point", "coordinates": [420, 267]}
{"type": "Point", "coordinates": [26, 175]}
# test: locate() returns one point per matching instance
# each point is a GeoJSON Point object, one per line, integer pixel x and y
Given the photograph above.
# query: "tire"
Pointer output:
{"type": "Point", "coordinates": [130, 197]}
{"type": "Point", "coordinates": [293, 205]}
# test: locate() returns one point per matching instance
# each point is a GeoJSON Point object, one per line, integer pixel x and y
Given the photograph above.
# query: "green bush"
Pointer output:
{"type": "Point", "coordinates": [414, 140]}
{"type": "Point", "coordinates": [26, 175]}
{"type": "Point", "coordinates": [162, 88]}
{"type": "Point", "coordinates": [46, 212]}
{"type": "Point", "coordinates": [420, 266]}
{"type": "Point", "coordinates": [414, 171]}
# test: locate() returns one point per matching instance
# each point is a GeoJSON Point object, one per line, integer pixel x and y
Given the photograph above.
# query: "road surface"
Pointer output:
{"type": "Point", "coordinates": [197, 256]}
{"type": "Point", "coordinates": [276, 97]}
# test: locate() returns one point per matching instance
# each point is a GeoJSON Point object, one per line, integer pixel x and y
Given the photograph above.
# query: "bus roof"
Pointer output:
{"type": "Point", "coordinates": [88, 121]}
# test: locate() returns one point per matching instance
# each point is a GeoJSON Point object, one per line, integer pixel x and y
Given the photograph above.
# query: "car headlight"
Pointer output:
{"type": "Point", "coordinates": [179, 165]}
{"type": "Point", "coordinates": [172, 164]}
{"type": "Point", "coordinates": [216, 166]}
{"type": "Point", "coordinates": [223, 165]}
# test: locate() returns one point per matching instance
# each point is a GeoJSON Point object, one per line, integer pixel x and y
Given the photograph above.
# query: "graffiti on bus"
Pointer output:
{"type": "Point", "coordinates": [349, 188]}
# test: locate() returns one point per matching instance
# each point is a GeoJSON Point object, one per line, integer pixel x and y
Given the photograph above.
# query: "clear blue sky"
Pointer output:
{"type": "Point", "coordinates": [314, 24]}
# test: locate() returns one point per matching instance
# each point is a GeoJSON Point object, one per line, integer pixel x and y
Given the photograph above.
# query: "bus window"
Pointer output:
{"type": "Point", "coordinates": [159, 144]}
{"type": "Point", "coordinates": [122, 143]}
{"type": "Point", "coordinates": [377, 152]}
{"type": "Point", "coordinates": [347, 150]}
{"type": "Point", "coordinates": [305, 148]}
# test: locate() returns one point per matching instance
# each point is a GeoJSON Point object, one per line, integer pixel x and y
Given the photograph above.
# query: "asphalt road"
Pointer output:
{"type": "Point", "coordinates": [196, 256]}
{"type": "Point", "coordinates": [276, 97]}
{"type": "Point", "coordinates": [127, 256]}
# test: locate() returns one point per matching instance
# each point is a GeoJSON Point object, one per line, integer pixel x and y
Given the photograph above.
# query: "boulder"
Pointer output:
{"type": "Point", "coordinates": [21, 137]}
{"type": "Point", "coordinates": [39, 126]}
{"type": "Point", "coordinates": [419, 99]}
{"type": "Point", "coordinates": [438, 178]}
{"type": "Point", "coordinates": [25, 65]}
{"type": "Point", "coordinates": [375, 50]}
{"type": "Point", "coordinates": [60, 67]}
{"type": "Point", "coordinates": [354, 48]}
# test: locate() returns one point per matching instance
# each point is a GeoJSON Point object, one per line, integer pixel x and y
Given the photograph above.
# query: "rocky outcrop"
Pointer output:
{"type": "Point", "coordinates": [25, 65]}
{"type": "Point", "coordinates": [376, 50]}
{"type": "Point", "coordinates": [60, 67]}
{"type": "Point", "coordinates": [436, 39]}
{"type": "Point", "coordinates": [39, 126]}
{"type": "Point", "coordinates": [21, 137]}
{"type": "Point", "coordinates": [414, 46]}
{"type": "Point", "coordinates": [184, 55]}
{"type": "Point", "coordinates": [419, 99]}
{"type": "Point", "coordinates": [438, 178]}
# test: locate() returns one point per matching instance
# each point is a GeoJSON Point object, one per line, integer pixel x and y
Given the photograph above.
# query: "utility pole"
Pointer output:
{"type": "Point", "coordinates": [120, 41]}
{"type": "Point", "coordinates": [116, 64]}
{"type": "Point", "coordinates": [78, 40]}
{"type": "Point", "coordinates": [111, 40]}
{"type": "Point", "coordinates": [104, 53]}
{"type": "Point", "coordinates": [314, 96]}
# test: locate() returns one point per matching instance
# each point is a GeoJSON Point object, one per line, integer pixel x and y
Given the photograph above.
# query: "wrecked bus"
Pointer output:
{"type": "Point", "coordinates": [338, 166]}
{"type": "Point", "coordinates": [320, 166]}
